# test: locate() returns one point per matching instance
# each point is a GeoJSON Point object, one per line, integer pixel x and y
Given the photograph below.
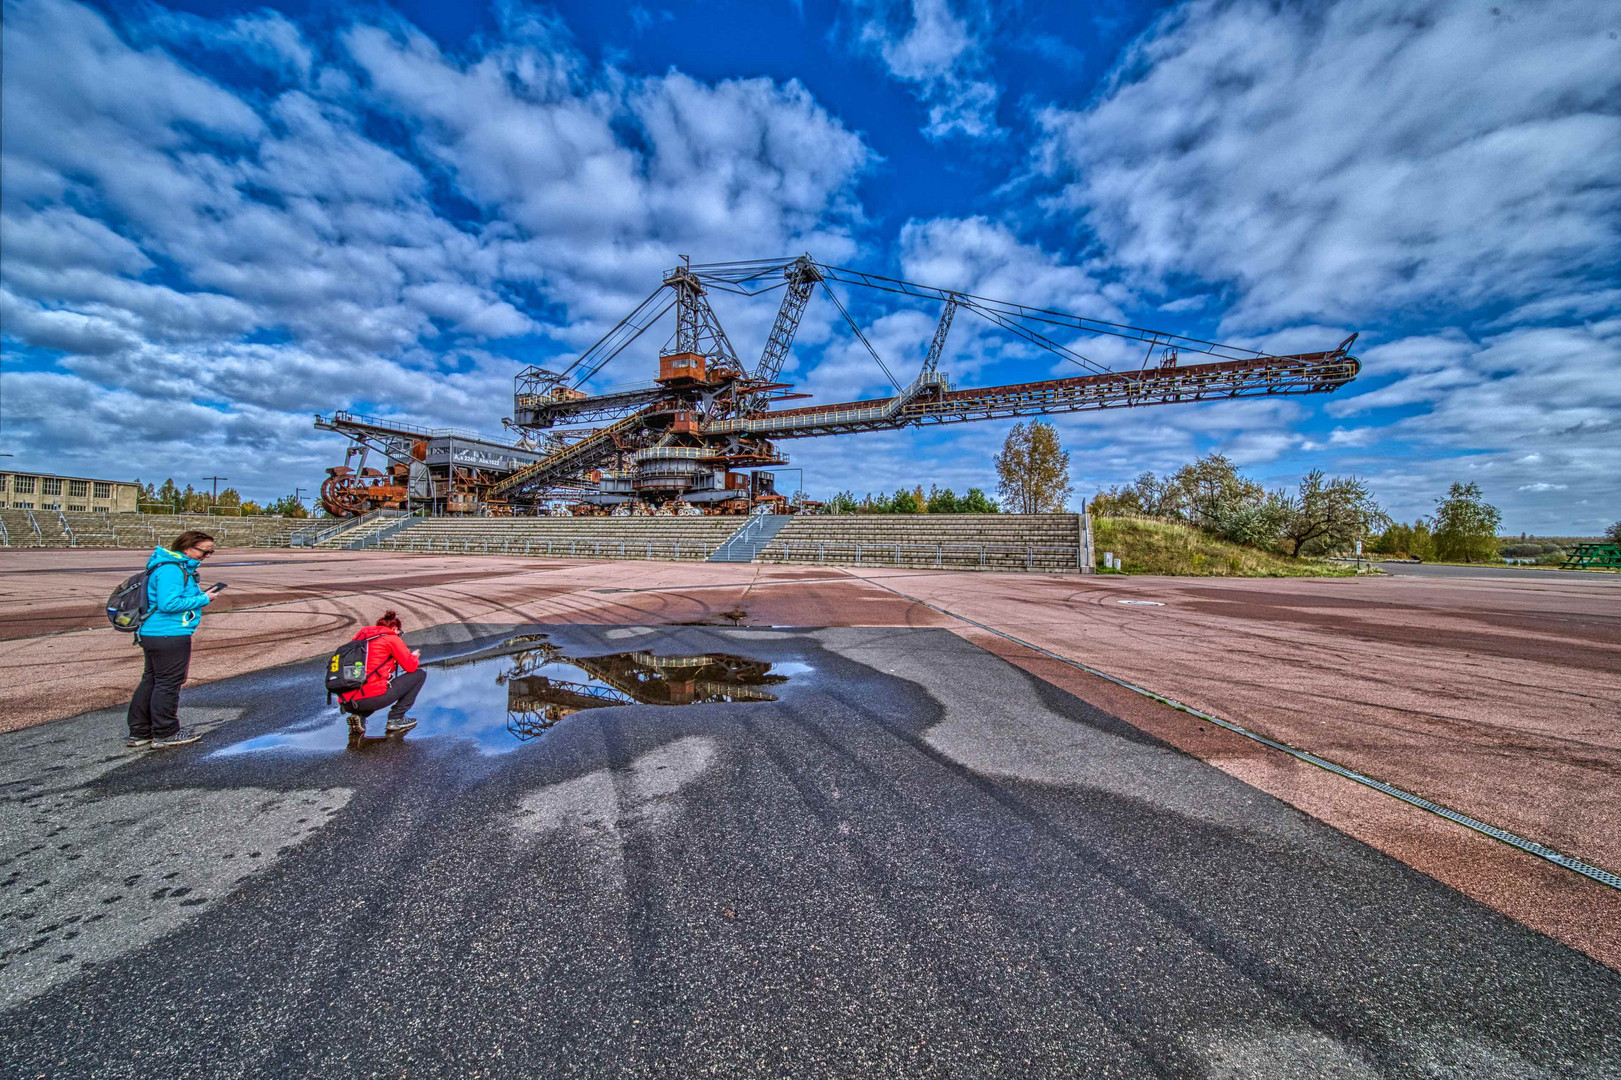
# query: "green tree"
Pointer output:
{"type": "Point", "coordinates": [905, 502]}
{"type": "Point", "coordinates": [288, 506]}
{"type": "Point", "coordinates": [1414, 541]}
{"type": "Point", "coordinates": [943, 501]}
{"type": "Point", "coordinates": [977, 502]}
{"type": "Point", "coordinates": [1210, 492]}
{"type": "Point", "coordinates": [1613, 533]}
{"type": "Point", "coordinates": [169, 495]}
{"type": "Point", "coordinates": [1329, 515]}
{"type": "Point", "coordinates": [842, 503]}
{"type": "Point", "coordinates": [1146, 496]}
{"type": "Point", "coordinates": [1032, 470]}
{"type": "Point", "coordinates": [1466, 525]}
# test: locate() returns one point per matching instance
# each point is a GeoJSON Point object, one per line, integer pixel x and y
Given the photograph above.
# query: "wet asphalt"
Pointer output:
{"type": "Point", "coordinates": [919, 861]}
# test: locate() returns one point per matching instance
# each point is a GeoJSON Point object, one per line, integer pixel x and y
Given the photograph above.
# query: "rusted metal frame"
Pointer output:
{"type": "Point", "coordinates": [635, 324]}
{"type": "Point", "coordinates": [697, 329]}
{"type": "Point", "coordinates": [937, 346]}
{"type": "Point", "coordinates": [802, 278]}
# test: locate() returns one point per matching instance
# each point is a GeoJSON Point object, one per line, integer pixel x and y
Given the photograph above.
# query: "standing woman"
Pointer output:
{"type": "Point", "coordinates": [175, 601]}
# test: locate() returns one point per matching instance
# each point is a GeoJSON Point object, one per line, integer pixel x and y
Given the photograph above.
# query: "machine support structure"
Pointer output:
{"type": "Point", "coordinates": [692, 434]}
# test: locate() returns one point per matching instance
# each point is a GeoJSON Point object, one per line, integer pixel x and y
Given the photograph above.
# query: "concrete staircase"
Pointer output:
{"type": "Point", "coordinates": [20, 529]}
{"type": "Point", "coordinates": [366, 531]}
{"type": "Point", "coordinates": [745, 544]}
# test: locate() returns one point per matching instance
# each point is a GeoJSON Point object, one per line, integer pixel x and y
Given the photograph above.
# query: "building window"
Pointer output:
{"type": "Point", "coordinates": [76, 509]}
{"type": "Point", "coordinates": [52, 486]}
{"type": "Point", "coordinates": [50, 506]}
{"type": "Point", "coordinates": [3, 478]}
{"type": "Point", "coordinates": [78, 489]}
{"type": "Point", "coordinates": [23, 485]}
{"type": "Point", "coordinates": [22, 506]}
{"type": "Point", "coordinates": [103, 491]}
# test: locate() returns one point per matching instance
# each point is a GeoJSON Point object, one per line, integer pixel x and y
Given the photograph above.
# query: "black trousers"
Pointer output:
{"type": "Point", "coordinates": [401, 694]}
{"type": "Point", "coordinates": [154, 711]}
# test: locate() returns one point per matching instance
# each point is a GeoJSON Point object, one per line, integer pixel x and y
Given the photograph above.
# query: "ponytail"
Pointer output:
{"type": "Point", "coordinates": [390, 620]}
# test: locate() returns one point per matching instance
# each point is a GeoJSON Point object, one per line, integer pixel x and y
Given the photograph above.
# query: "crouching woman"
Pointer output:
{"type": "Point", "coordinates": [394, 677]}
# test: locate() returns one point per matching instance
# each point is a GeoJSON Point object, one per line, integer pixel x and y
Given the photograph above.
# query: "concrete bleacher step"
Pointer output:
{"type": "Point", "coordinates": [684, 539]}
{"type": "Point", "coordinates": [1051, 543]}
{"type": "Point", "coordinates": [1043, 543]}
{"type": "Point", "coordinates": [87, 529]}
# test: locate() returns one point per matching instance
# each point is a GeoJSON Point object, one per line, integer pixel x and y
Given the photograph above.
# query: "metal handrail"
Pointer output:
{"type": "Point", "coordinates": [375, 537]}
{"type": "Point", "coordinates": [984, 556]}
{"type": "Point", "coordinates": [786, 550]}
{"type": "Point", "coordinates": [311, 535]}
{"type": "Point", "coordinates": [63, 518]}
{"type": "Point", "coordinates": [341, 416]}
{"type": "Point", "coordinates": [624, 549]}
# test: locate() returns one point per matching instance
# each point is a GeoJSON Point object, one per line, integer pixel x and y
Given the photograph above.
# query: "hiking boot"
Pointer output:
{"type": "Point", "coordinates": [138, 742]}
{"type": "Point", "coordinates": [183, 737]}
{"type": "Point", "coordinates": [404, 723]}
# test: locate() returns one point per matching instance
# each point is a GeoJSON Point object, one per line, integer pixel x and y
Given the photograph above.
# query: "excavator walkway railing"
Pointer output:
{"type": "Point", "coordinates": [569, 460]}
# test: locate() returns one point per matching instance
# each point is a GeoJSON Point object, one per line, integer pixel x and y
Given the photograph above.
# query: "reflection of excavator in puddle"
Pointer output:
{"type": "Point", "coordinates": [544, 686]}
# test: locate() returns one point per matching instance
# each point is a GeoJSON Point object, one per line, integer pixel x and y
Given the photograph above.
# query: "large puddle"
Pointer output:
{"type": "Point", "coordinates": [504, 696]}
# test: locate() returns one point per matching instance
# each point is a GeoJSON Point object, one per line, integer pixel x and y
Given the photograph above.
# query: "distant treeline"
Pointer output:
{"type": "Point", "coordinates": [168, 498]}
{"type": "Point", "coordinates": [914, 501]}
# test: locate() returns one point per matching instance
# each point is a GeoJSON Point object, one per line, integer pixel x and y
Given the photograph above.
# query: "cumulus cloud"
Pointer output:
{"type": "Point", "coordinates": [1441, 175]}
{"type": "Point", "coordinates": [939, 50]}
{"type": "Point", "coordinates": [362, 220]}
{"type": "Point", "coordinates": [1341, 160]}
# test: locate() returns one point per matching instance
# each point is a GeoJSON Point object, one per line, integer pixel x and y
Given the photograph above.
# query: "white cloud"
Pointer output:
{"type": "Point", "coordinates": [262, 255]}
{"type": "Point", "coordinates": [940, 52]}
{"type": "Point", "coordinates": [1336, 161]}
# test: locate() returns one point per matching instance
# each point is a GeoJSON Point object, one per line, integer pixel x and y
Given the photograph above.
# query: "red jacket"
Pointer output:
{"type": "Point", "coordinates": [384, 654]}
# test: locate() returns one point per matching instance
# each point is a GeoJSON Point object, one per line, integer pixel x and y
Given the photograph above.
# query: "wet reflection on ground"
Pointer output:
{"type": "Point", "coordinates": [508, 694]}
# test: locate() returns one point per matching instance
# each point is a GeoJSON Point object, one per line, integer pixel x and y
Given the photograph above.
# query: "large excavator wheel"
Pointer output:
{"type": "Point", "coordinates": [344, 494]}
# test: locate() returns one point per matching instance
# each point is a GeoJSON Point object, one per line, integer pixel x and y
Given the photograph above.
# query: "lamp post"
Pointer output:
{"type": "Point", "coordinates": [801, 473]}
{"type": "Point", "coordinates": [216, 479]}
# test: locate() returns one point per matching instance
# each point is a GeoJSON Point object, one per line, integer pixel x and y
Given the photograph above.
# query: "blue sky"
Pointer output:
{"type": "Point", "coordinates": [219, 219]}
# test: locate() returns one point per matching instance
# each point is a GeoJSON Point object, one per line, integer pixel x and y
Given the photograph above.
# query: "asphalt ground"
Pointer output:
{"type": "Point", "coordinates": [1452, 570]}
{"type": "Point", "coordinates": [920, 860]}
{"type": "Point", "coordinates": [1496, 697]}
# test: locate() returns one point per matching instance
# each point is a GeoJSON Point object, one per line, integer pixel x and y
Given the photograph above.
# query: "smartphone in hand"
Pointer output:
{"type": "Point", "coordinates": [218, 586]}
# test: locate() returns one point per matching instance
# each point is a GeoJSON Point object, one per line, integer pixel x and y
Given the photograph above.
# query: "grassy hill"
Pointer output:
{"type": "Point", "coordinates": [1161, 547]}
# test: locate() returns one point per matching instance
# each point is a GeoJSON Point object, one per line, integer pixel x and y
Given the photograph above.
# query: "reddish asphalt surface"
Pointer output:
{"type": "Point", "coordinates": [1496, 696]}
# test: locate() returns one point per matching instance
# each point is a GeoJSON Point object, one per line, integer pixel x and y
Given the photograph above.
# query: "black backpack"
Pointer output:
{"type": "Point", "coordinates": [131, 603]}
{"type": "Point", "coordinates": [346, 671]}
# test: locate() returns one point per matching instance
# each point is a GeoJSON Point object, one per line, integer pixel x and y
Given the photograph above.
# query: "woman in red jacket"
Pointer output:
{"type": "Point", "coordinates": [394, 677]}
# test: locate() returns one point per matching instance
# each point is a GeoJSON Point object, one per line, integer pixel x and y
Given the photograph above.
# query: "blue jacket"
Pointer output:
{"type": "Point", "coordinates": [176, 600]}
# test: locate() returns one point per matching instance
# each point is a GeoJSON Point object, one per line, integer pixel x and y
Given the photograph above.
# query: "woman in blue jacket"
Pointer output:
{"type": "Point", "coordinates": [175, 601]}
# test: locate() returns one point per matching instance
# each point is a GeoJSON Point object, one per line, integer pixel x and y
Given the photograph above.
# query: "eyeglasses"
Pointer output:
{"type": "Point", "coordinates": [203, 553]}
